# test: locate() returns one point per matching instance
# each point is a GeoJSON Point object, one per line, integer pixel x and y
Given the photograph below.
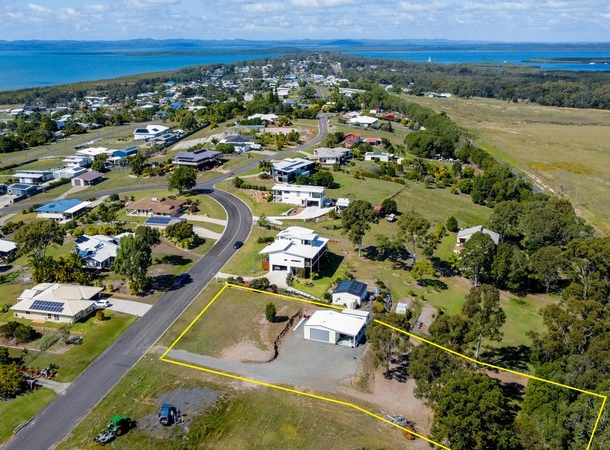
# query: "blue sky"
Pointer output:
{"type": "Point", "coordinates": [514, 21]}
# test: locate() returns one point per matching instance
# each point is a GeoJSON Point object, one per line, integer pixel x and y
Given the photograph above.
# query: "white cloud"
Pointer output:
{"type": "Point", "coordinates": [321, 3]}
{"type": "Point", "coordinates": [261, 7]}
{"type": "Point", "coordinates": [35, 7]}
{"type": "Point", "coordinates": [413, 7]}
{"type": "Point", "coordinates": [499, 6]}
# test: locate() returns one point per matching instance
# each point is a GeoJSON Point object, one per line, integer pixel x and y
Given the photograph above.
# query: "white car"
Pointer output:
{"type": "Point", "coordinates": [102, 304]}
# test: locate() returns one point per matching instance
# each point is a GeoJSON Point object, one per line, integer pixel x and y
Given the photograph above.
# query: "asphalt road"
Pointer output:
{"type": "Point", "coordinates": [64, 412]}
{"type": "Point", "coordinates": [60, 416]}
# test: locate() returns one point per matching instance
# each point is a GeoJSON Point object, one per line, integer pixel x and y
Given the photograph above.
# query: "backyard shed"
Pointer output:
{"type": "Point", "coordinates": [336, 328]}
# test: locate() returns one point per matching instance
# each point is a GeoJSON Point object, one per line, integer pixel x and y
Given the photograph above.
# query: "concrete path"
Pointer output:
{"type": "Point", "coordinates": [205, 233]}
{"type": "Point", "coordinates": [129, 307]}
{"type": "Point", "coordinates": [197, 218]}
{"type": "Point", "coordinates": [59, 388]}
{"type": "Point", "coordinates": [72, 190]}
{"type": "Point", "coordinates": [300, 362]}
{"type": "Point", "coordinates": [7, 217]}
{"type": "Point", "coordinates": [98, 202]}
{"type": "Point", "coordinates": [311, 212]}
{"type": "Point", "coordinates": [277, 277]}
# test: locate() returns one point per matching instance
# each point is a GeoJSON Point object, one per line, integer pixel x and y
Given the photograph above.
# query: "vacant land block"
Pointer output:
{"type": "Point", "coordinates": [562, 150]}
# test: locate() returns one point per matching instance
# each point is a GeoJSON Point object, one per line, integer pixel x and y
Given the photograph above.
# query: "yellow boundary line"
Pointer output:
{"type": "Point", "coordinates": [351, 405]}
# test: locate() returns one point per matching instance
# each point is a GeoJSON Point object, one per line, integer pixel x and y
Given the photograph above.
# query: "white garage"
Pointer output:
{"type": "Point", "coordinates": [344, 328]}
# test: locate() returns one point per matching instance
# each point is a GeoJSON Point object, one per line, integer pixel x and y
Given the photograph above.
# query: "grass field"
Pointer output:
{"type": "Point", "coordinates": [96, 337]}
{"type": "Point", "coordinates": [562, 149]}
{"type": "Point", "coordinates": [19, 410]}
{"type": "Point", "coordinates": [236, 316]}
{"type": "Point", "coordinates": [247, 261]}
{"type": "Point", "coordinates": [245, 418]}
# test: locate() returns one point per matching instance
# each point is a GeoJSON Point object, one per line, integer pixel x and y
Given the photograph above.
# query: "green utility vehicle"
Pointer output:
{"type": "Point", "coordinates": [118, 425]}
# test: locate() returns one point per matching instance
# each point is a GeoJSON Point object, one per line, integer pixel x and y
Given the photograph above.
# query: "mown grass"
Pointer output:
{"type": "Point", "coordinates": [19, 410]}
{"type": "Point", "coordinates": [562, 149]}
{"type": "Point", "coordinates": [247, 260]}
{"type": "Point", "coordinates": [96, 337]}
{"type": "Point", "coordinates": [236, 316]}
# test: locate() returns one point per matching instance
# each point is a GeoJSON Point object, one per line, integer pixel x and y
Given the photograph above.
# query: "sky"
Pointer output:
{"type": "Point", "coordinates": [487, 20]}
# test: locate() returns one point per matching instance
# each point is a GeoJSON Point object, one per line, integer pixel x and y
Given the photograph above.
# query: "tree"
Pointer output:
{"type": "Point", "coordinates": [133, 260]}
{"type": "Point", "coordinates": [452, 224]}
{"type": "Point", "coordinates": [477, 256]}
{"type": "Point", "coordinates": [388, 206]}
{"type": "Point", "coordinates": [225, 148]}
{"type": "Point", "coordinates": [265, 166]}
{"type": "Point", "coordinates": [486, 316]}
{"type": "Point", "coordinates": [35, 237]}
{"type": "Point", "coordinates": [308, 92]}
{"type": "Point", "coordinates": [12, 381]}
{"type": "Point", "coordinates": [356, 220]}
{"type": "Point", "coordinates": [505, 218]}
{"type": "Point", "coordinates": [270, 311]}
{"type": "Point", "coordinates": [182, 235]}
{"type": "Point", "coordinates": [414, 228]}
{"type": "Point", "coordinates": [322, 178]}
{"type": "Point", "coordinates": [98, 166]}
{"type": "Point", "coordinates": [188, 121]}
{"type": "Point", "coordinates": [420, 269]}
{"type": "Point", "coordinates": [384, 341]}
{"type": "Point", "coordinates": [474, 414]}
{"type": "Point", "coordinates": [137, 163]}
{"type": "Point", "coordinates": [4, 356]}
{"type": "Point", "coordinates": [150, 235]}
{"type": "Point", "coordinates": [183, 179]}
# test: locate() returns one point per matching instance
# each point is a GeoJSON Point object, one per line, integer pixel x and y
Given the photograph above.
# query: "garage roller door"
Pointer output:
{"type": "Point", "coordinates": [319, 335]}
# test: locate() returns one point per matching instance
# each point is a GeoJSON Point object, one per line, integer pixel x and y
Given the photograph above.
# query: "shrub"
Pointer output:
{"type": "Point", "coordinates": [265, 239]}
{"type": "Point", "coordinates": [452, 224]}
{"type": "Point", "coordinates": [270, 312]}
{"type": "Point", "coordinates": [100, 315]}
{"type": "Point", "coordinates": [260, 283]}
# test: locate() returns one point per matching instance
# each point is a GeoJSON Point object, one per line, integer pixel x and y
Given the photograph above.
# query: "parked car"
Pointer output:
{"type": "Point", "coordinates": [183, 278]}
{"type": "Point", "coordinates": [102, 304]}
{"type": "Point", "coordinates": [168, 414]}
{"type": "Point", "coordinates": [238, 244]}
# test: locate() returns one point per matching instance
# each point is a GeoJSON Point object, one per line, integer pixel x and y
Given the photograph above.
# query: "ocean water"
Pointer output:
{"type": "Point", "coordinates": [28, 69]}
{"type": "Point", "coordinates": [499, 56]}
{"type": "Point", "coordinates": [47, 67]}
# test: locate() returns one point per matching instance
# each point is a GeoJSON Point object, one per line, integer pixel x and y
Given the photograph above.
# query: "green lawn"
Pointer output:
{"type": "Point", "coordinates": [237, 316]}
{"type": "Point", "coordinates": [375, 191]}
{"type": "Point", "coordinates": [42, 164]}
{"type": "Point", "coordinates": [247, 261]}
{"type": "Point", "coordinates": [19, 410]}
{"type": "Point", "coordinates": [96, 337]}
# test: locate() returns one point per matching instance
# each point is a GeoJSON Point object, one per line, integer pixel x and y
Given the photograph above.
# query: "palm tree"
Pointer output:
{"type": "Point", "coordinates": [265, 166]}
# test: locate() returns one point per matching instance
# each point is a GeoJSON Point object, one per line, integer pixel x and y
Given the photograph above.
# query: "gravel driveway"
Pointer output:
{"type": "Point", "coordinates": [300, 362]}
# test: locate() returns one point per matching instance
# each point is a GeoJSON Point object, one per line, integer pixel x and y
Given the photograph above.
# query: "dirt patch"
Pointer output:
{"type": "Point", "coordinates": [249, 351]}
{"type": "Point", "coordinates": [395, 397]}
{"type": "Point", "coordinates": [246, 351]}
{"type": "Point", "coordinates": [257, 196]}
{"type": "Point", "coordinates": [189, 401]}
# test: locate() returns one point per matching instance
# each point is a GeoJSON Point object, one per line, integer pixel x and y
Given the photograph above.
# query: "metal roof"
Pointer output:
{"type": "Point", "coordinates": [351, 287]}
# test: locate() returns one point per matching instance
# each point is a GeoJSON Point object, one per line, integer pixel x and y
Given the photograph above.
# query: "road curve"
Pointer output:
{"type": "Point", "coordinates": [60, 416]}
{"type": "Point", "coordinates": [54, 422]}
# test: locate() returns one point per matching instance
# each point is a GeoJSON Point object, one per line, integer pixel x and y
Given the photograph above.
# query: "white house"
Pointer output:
{"type": "Point", "coordinates": [62, 210]}
{"type": "Point", "coordinates": [363, 121]}
{"type": "Point", "coordinates": [330, 156]}
{"type": "Point", "coordinates": [56, 302]}
{"type": "Point", "coordinates": [465, 234]}
{"type": "Point", "coordinates": [240, 142]}
{"type": "Point", "coordinates": [268, 118]}
{"type": "Point", "coordinates": [287, 170]}
{"type": "Point", "coordinates": [34, 176]}
{"type": "Point", "coordinates": [98, 251]}
{"type": "Point", "coordinates": [68, 172]}
{"type": "Point", "coordinates": [8, 249]}
{"type": "Point", "coordinates": [77, 161]}
{"type": "Point", "coordinates": [92, 152]}
{"type": "Point", "coordinates": [294, 248]}
{"type": "Point", "coordinates": [350, 293]}
{"type": "Point", "coordinates": [381, 156]}
{"type": "Point", "coordinates": [150, 132]}
{"type": "Point", "coordinates": [344, 328]}
{"type": "Point", "coordinates": [296, 194]}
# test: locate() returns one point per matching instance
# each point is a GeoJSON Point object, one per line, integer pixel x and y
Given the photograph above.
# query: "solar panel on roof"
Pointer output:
{"type": "Point", "coordinates": [158, 220]}
{"type": "Point", "coordinates": [43, 305]}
